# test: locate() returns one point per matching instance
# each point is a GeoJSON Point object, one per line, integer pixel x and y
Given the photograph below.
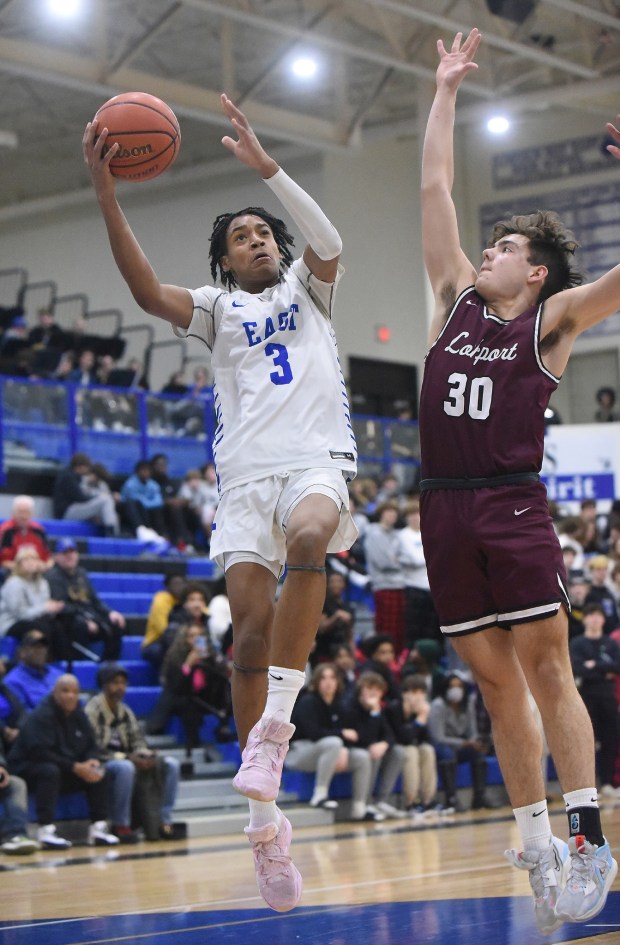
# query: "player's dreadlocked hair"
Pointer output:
{"type": "Point", "coordinates": [552, 245]}
{"type": "Point", "coordinates": [219, 248]}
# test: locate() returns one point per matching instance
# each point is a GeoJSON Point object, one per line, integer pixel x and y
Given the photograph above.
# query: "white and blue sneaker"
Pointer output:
{"type": "Point", "coordinates": [548, 870]}
{"type": "Point", "coordinates": [591, 874]}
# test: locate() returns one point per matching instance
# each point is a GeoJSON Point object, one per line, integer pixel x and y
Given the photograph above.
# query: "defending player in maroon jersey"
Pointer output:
{"type": "Point", "coordinates": [500, 339]}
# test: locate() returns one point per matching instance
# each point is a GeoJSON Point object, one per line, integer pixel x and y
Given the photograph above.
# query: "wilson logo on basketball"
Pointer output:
{"type": "Point", "coordinates": [138, 151]}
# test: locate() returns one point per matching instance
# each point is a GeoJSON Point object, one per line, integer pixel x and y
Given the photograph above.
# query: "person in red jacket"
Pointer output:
{"type": "Point", "coordinates": [21, 529]}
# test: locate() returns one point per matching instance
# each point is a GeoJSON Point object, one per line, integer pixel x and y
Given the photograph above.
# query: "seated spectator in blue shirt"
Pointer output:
{"type": "Point", "coordinates": [142, 501]}
{"type": "Point", "coordinates": [33, 677]}
{"type": "Point", "coordinates": [12, 712]}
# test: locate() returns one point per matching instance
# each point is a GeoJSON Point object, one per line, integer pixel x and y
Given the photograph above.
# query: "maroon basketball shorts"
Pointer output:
{"type": "Point", "coordinates": [493, 557]}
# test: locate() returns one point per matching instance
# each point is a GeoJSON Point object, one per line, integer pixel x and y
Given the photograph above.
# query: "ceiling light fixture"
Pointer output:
{"type": "Point", "coordinates": [498, 125]}
{"type": "Point", "coordinates": [304, 67]}
{"type": "Point", "coordinates": [64, 7]}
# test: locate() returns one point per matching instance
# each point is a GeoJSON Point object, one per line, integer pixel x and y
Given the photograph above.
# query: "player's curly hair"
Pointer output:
{"type": "Point", "coordinates": [218, 247]}
{"type": "Point", "coordinates": [552, 245]}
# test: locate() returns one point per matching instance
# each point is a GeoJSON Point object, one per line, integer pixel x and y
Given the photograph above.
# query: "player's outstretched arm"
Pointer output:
{"type": "Point", "coordinates": [324, 244]}
{"type": "Point", "coordinates": [172, 303]}
{"type": "Point", "coordinates": [615, 134]}
{"type": "Point", "coordinates": [445, 261]}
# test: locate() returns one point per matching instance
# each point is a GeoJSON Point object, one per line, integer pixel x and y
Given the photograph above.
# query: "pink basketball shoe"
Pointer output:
{"type": "Point", "coordinates": [279, 881]}
{"type": "Point", "coordinates": [262, 758]}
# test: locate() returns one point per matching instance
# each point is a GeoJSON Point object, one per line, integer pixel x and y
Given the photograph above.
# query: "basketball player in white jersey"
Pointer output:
{"type": "Point", "coordinates": [284, 448]}
{"type": "Point", "coordinates": [500, 338]}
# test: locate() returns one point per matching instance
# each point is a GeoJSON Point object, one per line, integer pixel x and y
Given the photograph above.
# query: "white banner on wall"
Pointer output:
{"type": "Point", "coordinates": [582, 461]}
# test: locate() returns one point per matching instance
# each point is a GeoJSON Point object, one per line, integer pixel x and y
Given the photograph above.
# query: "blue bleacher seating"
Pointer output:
{"type": "Point", "coordinates": [140, 673]}
{"type": "Point", "coordinates": [57, 528]}
{"type": "Point", "coordinates": [117, 547]}
{"type": "Point", "coordinates": [127, 603]}
{"type": "Point", "coordinates": [117, 581]}
{"type": "Point", "coordinates": [302, 782]}
{"type": "Point", "coordinates": [8, 645]}
{"type": "Point", "coordinates": [202, 568]}
{"type": "Point", "coordinates": [131, 648]}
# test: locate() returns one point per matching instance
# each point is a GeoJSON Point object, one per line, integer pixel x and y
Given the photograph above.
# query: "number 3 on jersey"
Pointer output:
{"type": "Point", "coordinates": [284, 374]}
{"type": "Point", "coordinates": [478, 397]}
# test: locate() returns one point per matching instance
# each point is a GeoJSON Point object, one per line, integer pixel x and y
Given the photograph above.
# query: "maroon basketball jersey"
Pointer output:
{"type": "Point", "coordinates": [484, 394]}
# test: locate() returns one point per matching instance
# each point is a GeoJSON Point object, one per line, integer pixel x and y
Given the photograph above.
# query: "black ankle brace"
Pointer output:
{"type": "Point", "coordinates": [306, 567]}
{"type": "Point", "coordinates": [250, 669]}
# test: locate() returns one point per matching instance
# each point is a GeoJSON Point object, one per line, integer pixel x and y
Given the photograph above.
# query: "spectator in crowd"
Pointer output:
{"type": "Point", "coordinates": [105, 365]}
{"type": "Point", "coordinates": [65, 365]}
{"type": "Point", "coordinates": [12, 712]}
{"type": "Point", "coordinates": [408, 717]}
{"type": "Point", "coordinates": [614, 583]}
{"type": "Point", "coordinates": [99, 482]}
{"type": "Point", "coordinates": [142, 501]}
{"type": "Point", "coordinates": [343, 658]}
{"type": "Point", "coordinates": [599, 593]}
{"type": "Point", "coordinates": [317, 744]}
{"type": "Point", "coordinates": [595, 659]}
{"type": "Point", "coordinates": [74, 503]}
{"type": "Point", "coordinates": [84, 374]}
{"type": "Point", "coordinates": [381, 659]}
{"type": "Point", "coordinates": [454, 731]}
{"type": "Point", "coordinates": [196, 684]}
{"type": "Point", "coordinates": [176, 521]}
{"type": "Point", "coordinates": [372, 731]}
{"type": "Point", "coordinates": [191, 609]}
{"type": "Point", "coordinates": [32, 678]}
{"type": "Point", "coordinates": [47, 334]}
{"type": "Point", "coordinates": [606, 411]}
{"type": "Point", "coordinates": [21, 529]}
{"type": "Point", "coordinates": [337, 620]}
{"type": "Point", "coordinates": [424, 660]}
{"type": "Point", "coordinates": [578, 588]}
{"type": "Point", "coordinates": [570, 533]}
{"type": "Point", "coordinates": [189, 413]}
{"type": "Point", "coordinates": [175, 384]}
{"type": "Point", "coordinates": [389, 490]}
{"type": "Point", "coordinates": [86, 618]}
{"type": "Point", "coordinates": [421, 619]}
{"type": "Point", "coordinates": [56, 753]}
{"type": "Point", "coordinates": [129, 762]}
{"type": "Point", "coordinates": [200, 495]}
{"type": "Point", "coordinates": [382, 546]}
{"type": "Point", "coordinates": [14, 839]}
{"type": "Point", "coordinates": [152, 647]}
{"type": "Point", "coordinates": [25, 600]}
{"type": "Point", "coordinates": [592, 539]}
{"type": "Point", "coordinates": [219, 618]}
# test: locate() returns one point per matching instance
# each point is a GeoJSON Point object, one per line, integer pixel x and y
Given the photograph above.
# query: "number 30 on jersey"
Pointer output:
{"type": "Point", "coordinates": [469, 396]}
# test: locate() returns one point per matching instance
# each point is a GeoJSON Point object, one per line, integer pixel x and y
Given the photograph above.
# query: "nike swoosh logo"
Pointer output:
{"type": "Point", "coordinates": [521, 511]}
{"type": "Point", "coordinates": [239, 304]}
{"type": "Point", "coordinates": [470, 302]}
{"type": "Point", "coordinates": [539, 812]}
{"type": "Point", "coordinates": [273, 676]}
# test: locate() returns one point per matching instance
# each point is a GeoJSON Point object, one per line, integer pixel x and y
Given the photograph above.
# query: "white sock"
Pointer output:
{"type": "Point", "coordinates": [283, 689]}
{"type": "Point", "coordinates": [263, 813]}
{"type": "Point", "coordinates": [534, 826]}
{"type": "Point", "coordinates": [319, 794]}
{"type": "Point", "coordinates": [584, 797]}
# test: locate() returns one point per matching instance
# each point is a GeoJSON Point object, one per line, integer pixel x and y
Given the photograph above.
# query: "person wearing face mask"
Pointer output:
{"type": "Point", "coordinates": [454, 731]}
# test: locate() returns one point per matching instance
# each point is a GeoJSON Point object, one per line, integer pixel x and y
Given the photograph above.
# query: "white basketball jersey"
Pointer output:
{"type": "Point", "coordinates": [280, 397]}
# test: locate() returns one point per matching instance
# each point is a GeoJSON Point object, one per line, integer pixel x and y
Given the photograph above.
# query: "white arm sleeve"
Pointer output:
{"type": "Point", "coordinates": [321, 235]}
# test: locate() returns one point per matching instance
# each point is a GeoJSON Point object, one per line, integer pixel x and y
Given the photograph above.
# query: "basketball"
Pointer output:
{"type": "Point", "coordinates": [147, 132]}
